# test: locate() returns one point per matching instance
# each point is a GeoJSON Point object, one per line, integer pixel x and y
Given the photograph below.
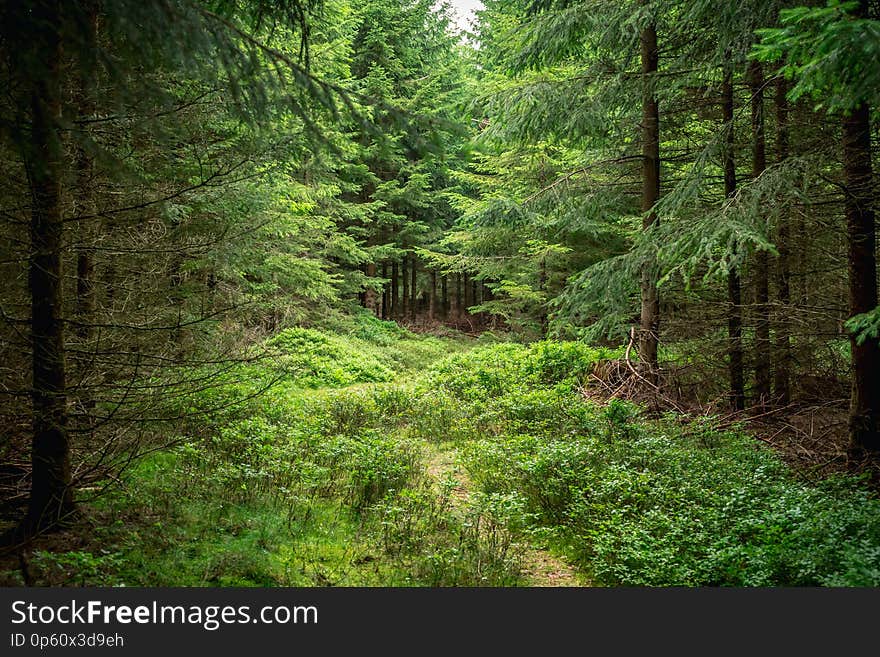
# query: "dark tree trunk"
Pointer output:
{"type": "Point", "coordinates": [370, 293]}
{"type": "Point", "coordinates": [650, 313]}
{"type": "Point", "coordinates": [444, 296]}
{"type": "Point", "coordinates": [734, 286]}
{"type": "Point", "coordinates": [763, 365]}
{"type": "Point", "coordinates": [413, 288]}
{"type": "Point", "coordinates": [404, 275]}
{"type": "Point", "coordinates": [51, 499]}
{"type": "Point", "coordinates": [861, 238]}
{"type": "Point", "coordinates": [432, 300]}
{"type": "Point", "coordinates": [782, 374]}
{"type": "Point", "coordinates": [459, 303]}
{"type": "Point", "coordinates": [385, 290]}
{"type": "Point", "coordinates": [85, 198]}
{"type": "Point", "coordinates": [395, 291]}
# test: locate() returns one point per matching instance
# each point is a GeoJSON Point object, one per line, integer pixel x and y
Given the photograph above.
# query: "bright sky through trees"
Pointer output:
{"type": "Point", "coordinates": [464, 12]}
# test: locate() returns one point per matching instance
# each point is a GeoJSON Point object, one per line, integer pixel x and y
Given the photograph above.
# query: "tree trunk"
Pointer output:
{"type": "Point", "coordinates": [861, 238]}
{"type": "Point", "coordinates": [404, 301]}
{"type": "Point", "coordinates": [432, 300]}
{"type": "Point", "coordinates": [385, 290]}
{"type": "Point", "coordinates": [51, 499]}
{"type": "Point", "coordinates": [782, 374]}
{"type": "Point", "coordinates": [459, 304]}
{"type": "Point", "coordinates": [763, 365]}
{"type": "Point", "coordinates": [370, 293]}
{"type": "Point", "coordinates": [734, 285]}
{"type": "Point", "coordinates": [650, 313]}
{"type": "Point", "coordinates": [413, 288]}
{"type": "Point", "coordinates": [444, 296]}
{"type": "Point", "coordinates": [85, 198]}
{"type": "Point", "coordinates": [395, 307]}
{"type": "Point", "coordinates": [87, 228]}
{"type": "Point", "coordinates": [542, 288]}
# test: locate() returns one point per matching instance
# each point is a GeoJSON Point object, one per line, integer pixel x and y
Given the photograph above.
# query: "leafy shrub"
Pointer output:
{"type": "Point", "coordinates": [314, 359]}
{"type": "Point", "coordinates": [436, 546]}
{"type": "Point", "coordinates": [657, 509]}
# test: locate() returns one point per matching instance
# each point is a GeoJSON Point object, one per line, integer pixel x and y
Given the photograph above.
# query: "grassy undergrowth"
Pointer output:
{"type": "Point", "coordinates": [321, 482]}
{"type": "Point", "coordinates": [313, 483]}
{"type": "Point", "coordinates": [634, 501]}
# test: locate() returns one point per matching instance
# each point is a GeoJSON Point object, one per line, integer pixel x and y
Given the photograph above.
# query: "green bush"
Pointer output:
{"type": "Point", "coordinates": [314, 359]}
{"type": "Point", "coordinates": [654, 508]}
{"type": "Point", "coordinates": [631, 500]}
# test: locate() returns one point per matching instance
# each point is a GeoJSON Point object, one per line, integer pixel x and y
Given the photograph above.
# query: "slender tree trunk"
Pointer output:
{"type": "Point", "coordinates": [385, 290]}
{"type": "Point", "coordinates": [432, 300]}
{"type": "Point", "coordinates": [370, 293]}
{"type": "Point", "coordinates": [413, 288]}
{"type": "Point", "coordinates": [444, 296]}
{"type": "Point", "coordinates": [85, 198]}
{"type": "Point", "coordinates": [734, 285]}
{"type": "Point", "coordinates": [87, 230]}
{"type": "Point", "coordinates": [782, 374]}
{"type": "Point", "coordinates": [51, 492]}
{"type": "Point", "coordinates": [404, 275]}
{"type": "Point", "coordinates": [395, 307]}
{"type": "Point", "coordinates": [459, 303]}
{"type": "Point", "coordinates": [542, 288]}
{"type": "Point", "coordinates": [861, 238]}
{"type": "Point", "coordinates": [650, 313]}
{"type": "Point", "coordinates": [763, 365]}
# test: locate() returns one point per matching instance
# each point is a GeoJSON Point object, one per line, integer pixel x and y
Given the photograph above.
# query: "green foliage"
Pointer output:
{"type": "Point", "coordinates": [865, 326]}
{"type": "Point", "coordinates": [315, 359]}
{"type": "Point", "coordinates": [638, 502]}
{"type": "Point", "coordinates": [830, 52]}
{"type": "Point", "coordinates": [438, 547]}
{"type": "Point", "coordinates": [318, 486]}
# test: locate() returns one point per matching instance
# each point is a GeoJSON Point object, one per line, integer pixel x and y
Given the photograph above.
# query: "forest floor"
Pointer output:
{"type": "Point", "coordinates": [204, 516]}
{"type": "Point", "coordinates": [385, 458]}
{"type": "Point", "coordinates": [540, 567]}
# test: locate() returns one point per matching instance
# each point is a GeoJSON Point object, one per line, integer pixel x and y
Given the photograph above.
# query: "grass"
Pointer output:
{"type": "Point", "coordinates": [322, 482]}
{"type": "Point", "coordinates": [315, 483]}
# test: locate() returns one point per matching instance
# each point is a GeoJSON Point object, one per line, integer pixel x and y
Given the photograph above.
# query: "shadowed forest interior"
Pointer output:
{"type": "Point", "coordinates": [333, 293]}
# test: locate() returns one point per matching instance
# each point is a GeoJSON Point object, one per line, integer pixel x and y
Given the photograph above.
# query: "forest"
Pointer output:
{"type": "Point", "coordinates": [336, 293]}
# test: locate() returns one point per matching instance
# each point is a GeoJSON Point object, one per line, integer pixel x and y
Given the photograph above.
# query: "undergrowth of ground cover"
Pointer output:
{"type": "Point", "coordinates": [321, 481]}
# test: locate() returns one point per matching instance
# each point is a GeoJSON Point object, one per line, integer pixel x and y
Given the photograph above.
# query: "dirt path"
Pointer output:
{"type": "Point", "coordinates": [540, 567]}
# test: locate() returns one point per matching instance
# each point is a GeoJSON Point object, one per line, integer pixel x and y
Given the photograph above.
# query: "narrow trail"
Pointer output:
{"type": "Point", "coordinates": [540, 567]}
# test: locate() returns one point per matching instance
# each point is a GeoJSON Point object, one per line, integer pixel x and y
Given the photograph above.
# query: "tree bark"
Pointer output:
{"type": "Point", "coordinates": [734, 285]}
{"type": "Point", "coordinates": [763, 364]}
{"type": "Point", "coordinates": [650, 299]}
{"type": "Point", "coordinates": [395, 307]}
{"type": "Point", "coordinates": [432, 300]}
{"type": "Point", "coordinates": [459, 304]}
{"type": "Point", "coordinates": [385, 290]}
{"type": "Point", "coordinates": [85, 198]}
{"type": "Point", "coordinates": [413, 288]}
{"type": "Point", "coordinates": [370, 293]}
{"type": "Point", "coordinates": [782, 374]}
{"type": "Point", "coordinates": [51, 500]}
{"type": "Point", "coordinates": [861, 239]}
{"type": "Point", "coordinates": [404, 301]}
{"type": "Point", "coordinates": [444, 296]}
